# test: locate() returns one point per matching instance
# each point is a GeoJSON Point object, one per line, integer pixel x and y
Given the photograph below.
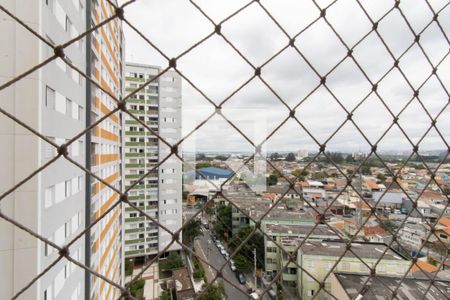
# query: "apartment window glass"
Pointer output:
{"type": "Point", "coordinates": [49, 196]}
{"type": "Point", "coordinates": [49, 97]}
{"type": "Point", "coordinates": [68, 25]}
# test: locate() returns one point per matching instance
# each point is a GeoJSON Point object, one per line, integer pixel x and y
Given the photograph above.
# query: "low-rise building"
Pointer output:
{"type": "Point", "coordinates": [346, 286]}
{"type": "Point", "coordinates": [318, 258]}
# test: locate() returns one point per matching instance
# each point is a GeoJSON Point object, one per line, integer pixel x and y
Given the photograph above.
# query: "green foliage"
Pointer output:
{"type": "Point", "coordinates": [221, 157]}
{"type": "Point", "coordinates": [223, 223]}
{"type": "Point", "coordinates": [136, 287]}
{"type": "Point", "coordinates": [319, 175]}
{"type": "Point", "coordinates": [213, 292]}
{"type": "Point", "coordinates": [256, 241]}
{"type": "Point", "coordinates": [202, 165]}
{"type": "Point", "coordinates": [381, 177]}
{"type": "Point", "coordinates": [165, 295]}
{"type": "Point", "coordinates": [290, 157]}
{"type": "Point", "coordinates": [365, 169]}
{"type": "Point", "coordinates": [128, 267]}
{"type": "Point", "coordinates": [185, 195]}
{"type": "Point", "coordinates": [388, 225]}
{"type": "Point", "coordinates": [192, 230]}
{"type": "Point", "coordinates": [275, 156]}
{"type": "Point", "coordinates": [300, 174]}
{"type": "Point", "coordinates": [349, 159]}
{"type": "Point", "coordinates": [172, 261]}
{"type": "Point", "coordinates": [272, 180]}
{"type": "Point", "coordinates": [199, 272]}
{"type": "Point", "coordinates": [243, 264]}
{"type": "Point", "coordinates": [336, 157]}
{"type": "Point", "coordinates": [446, 191]}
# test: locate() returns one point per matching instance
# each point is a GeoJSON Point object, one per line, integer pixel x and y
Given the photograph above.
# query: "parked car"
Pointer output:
{"type": "Point", "coordinates": [241, 278]}
{"type": "Point", "coordinates": [254, 295]}
{"type": "Point", "coordinates": [232, 266]}
{"type": "Point", "coordinates": [223, 252]}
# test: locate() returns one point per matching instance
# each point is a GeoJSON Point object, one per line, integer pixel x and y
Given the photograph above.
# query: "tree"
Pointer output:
{"type": "Point", "coordinates": [275, 156]}
{"type": "Point", "coordinates": [349, 159]}
{"type": "Point", "coordinates": [136, 288]}
{"type": "Point", "coordinates": [256, 241]}
{"type": "Point", "coordinates": [165, 295]}
{"type": "Point", "coordinates": [272, 179]}
{"type": "Point", "coordinates": [300, 173]}
{"type": "Point", "coordinates": [381, 177]}
{"type": "Point", "coordinates": [213, 292]}
{"type": "Point", "coordinates": [223, 223]}
{"type": "Point", "coordinates": [290, 157]}
{"type": "Point", "coordinates": [366, 170]}
{"type": "Point", "coordinates": [202, 165]}
{"type": "Point", "coordinates": [129, 265]}
{"type": "Point", "coordinates": [243, 264]}
{"type": "Point", "coordinates": [221, 157]}
{"type": "Point", "coordinates": [388, 225]}
{"type": "Point", "coordinates": [172, 261]}
{"type": "Point", "coordinates": [319, 175]}
{"type": "Point", "coordinates": [192, 230]}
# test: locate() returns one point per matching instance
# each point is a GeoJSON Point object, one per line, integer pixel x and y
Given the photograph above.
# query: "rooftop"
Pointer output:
{"type": "Point", "coordinates": [299, 230]}
{"type": "Point", "coordinates": [361, 249]}
{"type": "Point", "coordinates": [380, 287]}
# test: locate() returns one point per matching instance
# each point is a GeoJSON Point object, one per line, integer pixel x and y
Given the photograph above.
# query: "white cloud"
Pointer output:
{"type": "Point", "coordinates": [175, 25]}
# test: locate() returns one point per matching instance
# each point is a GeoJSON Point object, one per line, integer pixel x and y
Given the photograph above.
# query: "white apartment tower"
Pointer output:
{"type": "Point", "coordinates": [58, 103]}
{"type": "Point", "coordinates": [52, 101]}
{"type": "Point", "coordinates": [159, 195]}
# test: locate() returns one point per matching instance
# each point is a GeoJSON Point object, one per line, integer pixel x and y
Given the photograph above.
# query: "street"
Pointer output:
{"type": "Point", "coordinates": [216, 259]}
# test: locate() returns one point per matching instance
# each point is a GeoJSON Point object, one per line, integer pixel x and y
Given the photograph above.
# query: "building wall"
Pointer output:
{"type": "Point", "coordinates": [51, 203]}
{"type": "Point", "coordinates": [159, 105]}
{"type": "Point", "coordinates": [141, 156]}
{"type": "Point", "coordinates": [107, 69]}
{"type": "Point", "coordinates": [170, 171]}
{"type": "Point", "coordinates": [319, 266]}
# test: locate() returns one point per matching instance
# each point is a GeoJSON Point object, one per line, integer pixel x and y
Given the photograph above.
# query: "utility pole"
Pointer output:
{"type": "Point", "coordinates": [254, 260]}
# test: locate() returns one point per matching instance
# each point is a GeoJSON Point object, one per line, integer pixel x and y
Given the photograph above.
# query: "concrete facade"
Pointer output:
{"type": "Point", "coordinates": [52, 202]}
{"type": "Point", "coordinates": [56, 203]}
{"type": "Point", "coordinates": [159, 194]}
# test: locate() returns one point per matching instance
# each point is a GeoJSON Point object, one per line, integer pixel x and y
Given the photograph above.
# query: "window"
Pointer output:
{"type": "Point", "coordinates": [311, 293]}
{"type": "Point", "coordinates": [48, 197]}
{"type": "Point", "coordinates": [49, 97]}
{"type": "Point", "coordinates": [49, 3]}
{"type": "Point", "coordinates": [68, 188]}
{"type": "Point", "coordinates": [271, 249]}
{"type": "Point", "coordinates": [68, 25]}
{"type": "Point", "coordinates": [345, 266]}
{"type": "Point", "coordinates": [68, 106]}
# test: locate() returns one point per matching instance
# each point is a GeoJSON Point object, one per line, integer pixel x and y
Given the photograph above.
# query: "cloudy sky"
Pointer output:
{"type": "Point", "coordinates": [216, 68]}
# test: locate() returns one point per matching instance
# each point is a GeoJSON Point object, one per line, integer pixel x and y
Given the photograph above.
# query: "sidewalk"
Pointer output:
{"type": "Point", "coordinates": [209, 272]}
{"type": "Point", "coordinates": [151, 288]}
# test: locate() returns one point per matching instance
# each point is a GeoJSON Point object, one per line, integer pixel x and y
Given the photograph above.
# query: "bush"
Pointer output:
{"type": "Point", "coordinates": [173, 261]}
{"type": "Point", "coordinates": [129, 267]}
{"type": "Point", "coordinates": [199, 272]}
{"type": "Point", "coordinates": [137, 288]}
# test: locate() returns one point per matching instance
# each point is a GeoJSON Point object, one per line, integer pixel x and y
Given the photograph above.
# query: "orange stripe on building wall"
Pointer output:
{"type": "Point", "coordinates": [108, 135]}
{"type": "Point", "coordinates": [102, 261]}
{"type": "Point", "coordinates": [103, 233]}
{"type": "Point", "coordinates": [106, 87]}
{"type": "Point", "coordinates": [108, 68]}
{"type": "Point", "coordinates": [98, 186]}
{"type": "Point", "coordinates": [106, 205]}
{"type": "Point", "coordinates": [106, 111]}
{"type": "Point", "coordinates": [108, 45]}
{"type": "Point", "coordinates": [114, 271]}
{"type": "Point", "coordinates": [105, 158]}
